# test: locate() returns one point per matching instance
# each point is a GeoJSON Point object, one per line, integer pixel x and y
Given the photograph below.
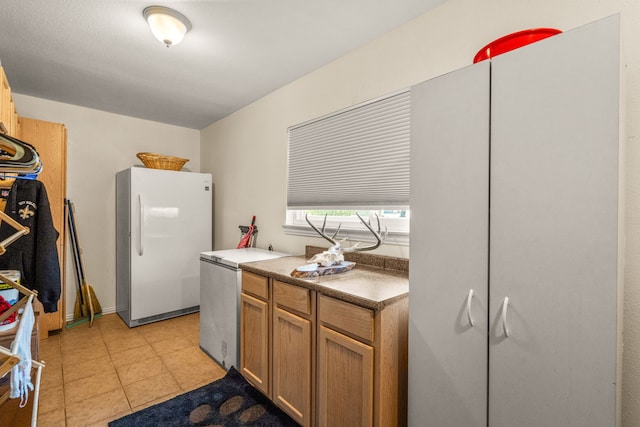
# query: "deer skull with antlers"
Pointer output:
{"type": "Point", "coordinates": [334, 255]}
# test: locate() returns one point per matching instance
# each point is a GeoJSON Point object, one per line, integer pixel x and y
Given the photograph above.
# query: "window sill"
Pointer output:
{"type": "Point", "coordinates": [393, 238]}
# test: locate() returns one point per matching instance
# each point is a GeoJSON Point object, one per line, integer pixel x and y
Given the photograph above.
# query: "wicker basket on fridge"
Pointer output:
{"type": "Point", "coordinates": [159, 161]}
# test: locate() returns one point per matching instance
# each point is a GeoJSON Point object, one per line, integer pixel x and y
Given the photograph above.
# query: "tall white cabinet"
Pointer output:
{"type": "Point", "coordinates": [515, 238]}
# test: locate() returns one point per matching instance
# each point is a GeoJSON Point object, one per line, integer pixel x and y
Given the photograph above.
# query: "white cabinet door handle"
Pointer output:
{"type": "Point", "coordinates": [505, 327]}
{"type": "Point", "coordinates": [469, 298]}
{"type": "Point", "coordinates": [141, 229]}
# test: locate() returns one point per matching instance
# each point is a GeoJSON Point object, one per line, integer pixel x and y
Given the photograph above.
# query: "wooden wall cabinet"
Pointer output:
{"type": "Point", "coordinates": [8, 115]}
{"type": "Point", "coordinates": [50, 140]}
{"type": "Point", "coordinates": [333, 363]}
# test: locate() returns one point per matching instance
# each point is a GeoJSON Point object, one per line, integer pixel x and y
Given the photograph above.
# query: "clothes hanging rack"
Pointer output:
{"type": "Point", "coordinates": [10, 357]}
{"type": "Point", "coordinates": [17, 156]}
{"type": "Point", "coordinates": [7, 179]}
{"type": "Point", "coordinates": [29, 176]}
{"type": "Point", "coordinates": [11, 171]}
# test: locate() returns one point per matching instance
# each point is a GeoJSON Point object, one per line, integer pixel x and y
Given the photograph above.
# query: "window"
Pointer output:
{"type": "Point", "coordinates": [396, 222]}
{"type": "Point", "coordinates": [355, 159]}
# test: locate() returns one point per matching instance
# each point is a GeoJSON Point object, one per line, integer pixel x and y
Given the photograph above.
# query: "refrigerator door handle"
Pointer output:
{"type": "Point", "coordinates": [141, 228]}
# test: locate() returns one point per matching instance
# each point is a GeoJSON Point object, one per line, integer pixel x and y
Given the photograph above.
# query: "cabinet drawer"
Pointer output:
{"type": "Point", "coordinates": [348, 317]}
{"type": "Point", "coordinates": [255, 284]}
{"type": "Point", "coordinates": [292, 297]}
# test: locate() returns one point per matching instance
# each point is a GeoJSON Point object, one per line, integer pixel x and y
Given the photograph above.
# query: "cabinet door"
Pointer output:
{"type": "Point", "coordinates": [50, 140]}
{"type": "Point", "coordinates": [254, 342]}
{"type": "Point", "coordinates": [345, 380]}
{"type": "Point", "coordinates": [292, 365]}
{"type": "Point", "coordinates": [554, 230]}
{"type": "Point", "coordinates": [5, 104]}
{"type": "Point", "coordinates": [449, 249]}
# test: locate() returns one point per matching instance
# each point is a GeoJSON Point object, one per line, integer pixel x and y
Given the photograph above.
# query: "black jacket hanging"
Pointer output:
{"type": "Point", "coordinates": [34, 254]}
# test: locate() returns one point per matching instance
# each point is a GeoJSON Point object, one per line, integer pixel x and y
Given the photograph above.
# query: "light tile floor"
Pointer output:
{"type": "Point", "coordinates": [98, 374]}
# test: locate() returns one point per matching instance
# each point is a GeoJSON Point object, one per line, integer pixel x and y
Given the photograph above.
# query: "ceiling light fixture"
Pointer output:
{"type": "Point", "coordinates": [167, 25]}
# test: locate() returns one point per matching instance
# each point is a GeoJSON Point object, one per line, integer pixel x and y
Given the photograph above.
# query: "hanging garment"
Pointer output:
{"type": "Point", "coordinates": [21, 373]}
{"type": "Point", "coordinates": [4, 306]}
{"type": "Point", "coordinates": [35, 254]}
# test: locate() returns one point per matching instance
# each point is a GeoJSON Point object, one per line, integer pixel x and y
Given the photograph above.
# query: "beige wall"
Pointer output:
{"type": "Point", "coordinates": [246, 152]}
{"type": "Point", "coordinates": [99, 145]}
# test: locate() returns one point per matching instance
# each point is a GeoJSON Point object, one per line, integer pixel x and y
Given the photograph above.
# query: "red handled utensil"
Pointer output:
{"type": "Point", "coordinates": [246, 239]}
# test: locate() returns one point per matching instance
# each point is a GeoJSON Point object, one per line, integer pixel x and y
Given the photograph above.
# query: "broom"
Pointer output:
{"type": "Point", "coordinates": [87, 294]}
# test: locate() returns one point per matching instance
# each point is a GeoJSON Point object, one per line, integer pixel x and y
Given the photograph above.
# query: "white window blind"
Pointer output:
{"type": "Point", "coordinates": [354, 158]}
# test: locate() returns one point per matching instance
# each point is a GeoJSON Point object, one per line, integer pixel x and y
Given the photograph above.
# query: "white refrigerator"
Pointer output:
{"type": "Point", "coordinates": [163, 223]}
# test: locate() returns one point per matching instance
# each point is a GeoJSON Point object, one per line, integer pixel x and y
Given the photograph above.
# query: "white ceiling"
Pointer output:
{"type": "Point", "coordinates": [102, 55]}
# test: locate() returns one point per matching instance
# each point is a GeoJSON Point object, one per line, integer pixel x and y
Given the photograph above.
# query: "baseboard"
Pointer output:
{"type": "Point", "coordinates": [109, 310]}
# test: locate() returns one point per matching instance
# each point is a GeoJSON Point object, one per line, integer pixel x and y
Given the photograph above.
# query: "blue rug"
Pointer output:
{"type": "Point", "coordinates": [230, 401]}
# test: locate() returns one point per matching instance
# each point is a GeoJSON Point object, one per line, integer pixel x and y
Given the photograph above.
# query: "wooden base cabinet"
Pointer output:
{"type": "Point", "coordinates": [516, 248]}
{"type": "Point", "coordinates": [293, 345]}
{"type": "Point", "coordinates": [254, 331]}
{"type": "Point", "coordinates": [362, 364]}
{"type": "Point", "coordinates": [332, 363]}
{"type": "Point", "coordinates": [345, 380]}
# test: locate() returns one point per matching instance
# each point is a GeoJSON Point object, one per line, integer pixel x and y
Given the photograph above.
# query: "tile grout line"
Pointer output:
{"type": "Point", "coordinates": [115, 368]}
{"type": "Point", "coordinates": [150, 336]}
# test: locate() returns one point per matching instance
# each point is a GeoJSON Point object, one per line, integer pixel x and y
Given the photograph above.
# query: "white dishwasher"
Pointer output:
{"type": "Point", "coordinates": [220, 287]}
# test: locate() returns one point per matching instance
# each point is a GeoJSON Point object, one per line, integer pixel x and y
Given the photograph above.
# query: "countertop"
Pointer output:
{"type": "Point", "coordinates": [366, 286]}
